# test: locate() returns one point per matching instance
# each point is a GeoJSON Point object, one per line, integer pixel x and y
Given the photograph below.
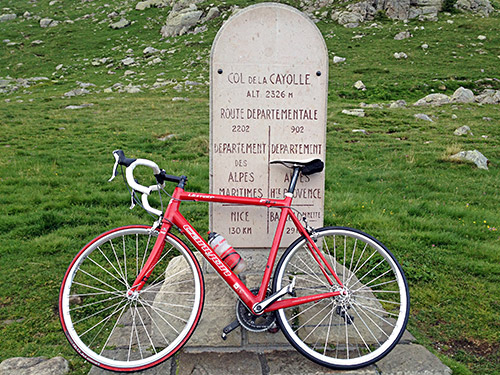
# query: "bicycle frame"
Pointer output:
{"type": "Point", "coordinates": [173, 217]}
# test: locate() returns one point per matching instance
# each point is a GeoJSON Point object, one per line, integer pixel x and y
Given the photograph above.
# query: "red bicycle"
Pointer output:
{"type": "Point", "coordinates": [132, 297]}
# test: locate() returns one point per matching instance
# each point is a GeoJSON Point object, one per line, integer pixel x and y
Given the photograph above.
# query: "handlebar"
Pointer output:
{"type": "Point", "coordinates": [159, 174]}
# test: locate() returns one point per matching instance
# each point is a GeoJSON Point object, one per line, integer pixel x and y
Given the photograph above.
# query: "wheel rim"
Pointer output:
{"type": "Point", "coordinates": [116, 330]}
{"type": "Point", "coordinates": [365, 321]}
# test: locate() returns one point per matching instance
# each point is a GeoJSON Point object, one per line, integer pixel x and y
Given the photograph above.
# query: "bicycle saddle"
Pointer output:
{"type": "Point", "coordinates": [307, 167]}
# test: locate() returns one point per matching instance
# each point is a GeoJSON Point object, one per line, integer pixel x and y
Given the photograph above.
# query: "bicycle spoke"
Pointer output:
{"type": "Point", "coordinates": [79, 307]}
{"type": "Point", "coordinates": [113, 266]}
{"type": "Point", "coordinates": [105, 270]}
{"type": "Point", "coordinates": [116, 293]}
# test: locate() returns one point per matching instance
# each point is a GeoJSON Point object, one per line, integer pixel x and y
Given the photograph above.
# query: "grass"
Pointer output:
{"type": "Point", "coordinates": [439, 218]}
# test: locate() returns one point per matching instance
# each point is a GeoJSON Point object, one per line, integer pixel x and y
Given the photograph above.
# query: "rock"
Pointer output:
{"type": "Point", "coordinates": [59, 67]}
{"type": "Point", "coordinates": [488, 96]}
{"type": "Point", "coordinates": [422, 116]}
{"type": "Point", "coordinates": [398, 104]}
{"type": "Point", "coordinates": [424, 46]}
{"type": "Point", "coordinates": [48, 22]}
{"type": "Point", "coordinates": [178, 99]}
{"type": "Point", "coordinates": [200, 29]}
{"type": "Point", "coordinates": [474, 156]}
{"type": "Point", "coordinates": [433, 99]}
{"type": "Point", "coordinates": [402, 35]}
{"type": "Point", "coordinates": [36, 42]}
{"type": "Point", "coordinates": [397, 9]}
{"type": "Point", "coordinates": [400, 55]}
{"type": "Point", "coordinates": [79, 106]}
{"type": "Point", "coordinates": [481, 37]}
{"type": "Point", "coordinates": [482, 7]}
{"type": "Point", "coordinates": [150, 51]}
{"type": "Point", "coordinates": [37, 365]}
{"type": "Point", "coordinates": [132, 89]}
{"type": "Point", "coordinates": [179, 23]}
{"type": "Point", "coordinates": [373, 105]}
{"type": "Point", "coordinates": [338, 59]}
{"type": "Point", "coordinates": [463, 130]}
{"type": "Point", "coordinates": [212, 13]}
{"type": "Point", "coordinates": [128, 61]}
{"type": "Point", "coordinates": [142, 5]}
{"type": "Point", "coordinates": [360, 85]}
{"type": "Point", "coordinates": [462, 95]}
{"type": "Point", "coordinates": [354, 112]}
{"type": "Point", "coordinates": [76, 92]}
{"type": "Point", "coordinates": [360, 131]}
{"type": "Point", "coordinates": [7, 17]}
{"type": "Point", "coordinates": [120, 24]}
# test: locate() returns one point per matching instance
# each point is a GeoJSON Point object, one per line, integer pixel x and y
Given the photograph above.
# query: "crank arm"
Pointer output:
{"type": "Point", "coordinates": [259, 308]}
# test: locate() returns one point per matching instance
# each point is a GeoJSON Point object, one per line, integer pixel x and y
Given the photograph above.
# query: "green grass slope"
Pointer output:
{"type": "Point", "coordinates": [394, 181]}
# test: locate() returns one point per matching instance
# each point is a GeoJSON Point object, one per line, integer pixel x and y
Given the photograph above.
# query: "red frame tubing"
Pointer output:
{"type": "Point", "coordinates": [178, 347]}
{"type": "Point", "coordinates": [174, 217]}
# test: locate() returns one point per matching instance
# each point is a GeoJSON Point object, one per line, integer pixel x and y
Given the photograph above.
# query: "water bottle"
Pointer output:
{"type": "Point", "coordinates": [226, 252]}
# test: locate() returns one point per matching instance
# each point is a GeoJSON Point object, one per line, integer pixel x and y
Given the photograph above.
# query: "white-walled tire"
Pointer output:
{"type": "Point", "coordinates": [366, 321]}
{"type": "Point", "coordinates": [121, 332]}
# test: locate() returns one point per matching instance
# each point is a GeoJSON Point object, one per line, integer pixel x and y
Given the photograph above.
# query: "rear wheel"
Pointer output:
{"type": "Point", "coordinates": [365, 321]}
{"type": "Point", "coordinates": [122, 332]}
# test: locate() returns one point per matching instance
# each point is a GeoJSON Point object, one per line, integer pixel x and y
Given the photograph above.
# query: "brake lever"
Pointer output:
{"type": "Point", "coordinates": [115, 167]}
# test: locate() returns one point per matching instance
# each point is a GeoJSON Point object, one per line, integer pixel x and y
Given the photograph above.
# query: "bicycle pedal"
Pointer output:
{"type": "Point", "coordinates": [229, 328]}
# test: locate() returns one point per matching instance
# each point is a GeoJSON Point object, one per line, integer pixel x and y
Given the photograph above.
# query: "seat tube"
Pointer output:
{"type": "Point", "coordinates": [293, 181]}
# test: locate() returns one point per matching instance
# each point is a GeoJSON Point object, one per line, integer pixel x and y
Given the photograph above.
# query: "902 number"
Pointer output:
{"type": "Point", "coordinates": [297, 130]}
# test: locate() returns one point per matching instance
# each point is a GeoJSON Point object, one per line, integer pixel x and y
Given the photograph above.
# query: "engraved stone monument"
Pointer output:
{"type": "Point", "coordinates": [269, 82]}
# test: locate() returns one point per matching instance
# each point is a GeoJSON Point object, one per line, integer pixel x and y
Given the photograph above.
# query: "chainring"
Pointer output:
{"type": "Point", "coordinates": [255, 323]}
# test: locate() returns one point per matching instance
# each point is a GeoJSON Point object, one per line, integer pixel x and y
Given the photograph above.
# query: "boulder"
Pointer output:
{"type": "Point", "coordinates": [212, 13]}
{"type": "Point", "coordinates": [433, 99]}
{"type": "Point", "coordinates": [482, 7]}
{"type": "Point", "coordinates": [179, 23]}
{"type": "Point", "coordinates": [397, 9]}
{"type": "Point", "coordinates": [488, 96]}
{"type": "Point", "coordinates": [462, 95]}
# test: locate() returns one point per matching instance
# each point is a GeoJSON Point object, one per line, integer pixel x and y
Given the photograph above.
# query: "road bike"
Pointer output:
{"type": "Point", "coordinates": [133, 296]}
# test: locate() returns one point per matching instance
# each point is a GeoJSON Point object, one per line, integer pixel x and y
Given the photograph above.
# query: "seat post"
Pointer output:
{"type": "Point", "coordinates": [295, 178]}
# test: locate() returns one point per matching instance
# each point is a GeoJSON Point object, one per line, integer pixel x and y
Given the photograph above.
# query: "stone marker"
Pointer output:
{"type": "Point", "coordinates": [269, 77]}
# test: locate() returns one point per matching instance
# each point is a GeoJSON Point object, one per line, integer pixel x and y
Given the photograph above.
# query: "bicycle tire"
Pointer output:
{"type": "Point", "coordinates": [351, 330]}
{"type": "Point", "coordinates": [124, 333]}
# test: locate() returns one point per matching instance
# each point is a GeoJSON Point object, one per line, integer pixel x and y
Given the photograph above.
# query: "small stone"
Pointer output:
{"type": "Point", "coordinates": [212, 13]}
{"type": "Point", "coordinates": [177, 99]}
{"type": "Point", "coordinates": [481, 37]}
{"type": "Point", "coordinates": [402, 35]}
{"type": "Point", "coordinates": [7, 17]}
{"type": "Point", "coordinates": [354, 112]}
{"type": "Point", "coordinates": [47, 22]}
{"type": "Point", "coordinates": [487, 119]}
{"type": "Point", "coordinates": [79, 107]}
{"type": "Point", "coordinates": [338, 59]}
{"type": "Point", "coordinates": [423, 116]}
{"type": "Point", "coordinates": [128, 61]}
{"type": "Point", "coordinates": [463, 130]}
{"type": "Point", "coordinates": [360, 131]}
{"type": "Point", "coordinates": [359, 85]}
{"type": "Point", "coordinates": [150, 51]}
{"type": "Point", "coordinates": [120, 24]}
{"type": "Point", "coordinates": [398, 104]}
{"type": "Point", "coordinates": [424, 46]}
{"type": "Point", "coordinates": [474, 156]}
{"type": "Point", "coordinates": [400, 55]}
{"type": "Point", "coordinates": [454, 116]}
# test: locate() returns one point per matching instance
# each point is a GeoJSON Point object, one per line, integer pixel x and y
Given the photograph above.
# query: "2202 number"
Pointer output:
{"type": "Point", "coordinates": [240, 128]}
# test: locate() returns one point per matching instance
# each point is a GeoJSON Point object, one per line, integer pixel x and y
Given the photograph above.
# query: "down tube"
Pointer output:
{"type": "Point", "coordinates": [211, 256]}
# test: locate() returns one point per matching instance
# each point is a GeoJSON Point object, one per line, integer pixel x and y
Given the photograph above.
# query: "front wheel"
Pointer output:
{"type": "Point", "coordinates": [365, 321]}
{"type": "Point", "coordinates": [119, 331]}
